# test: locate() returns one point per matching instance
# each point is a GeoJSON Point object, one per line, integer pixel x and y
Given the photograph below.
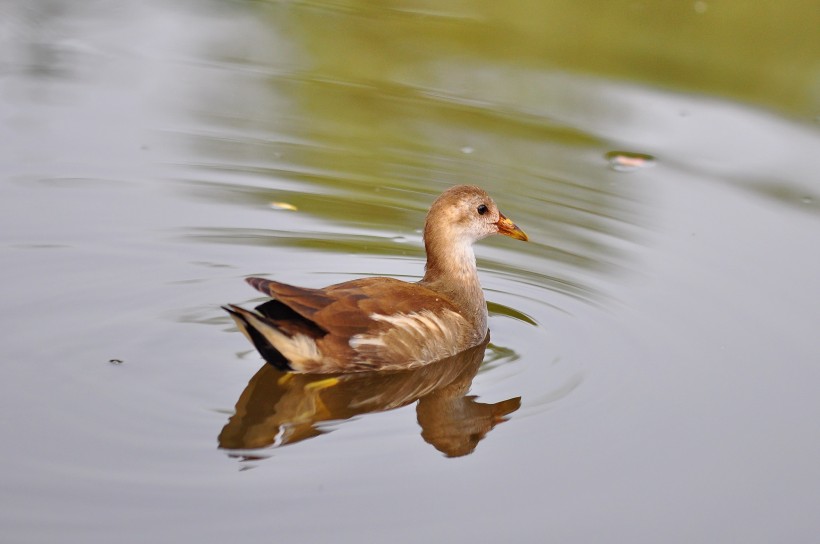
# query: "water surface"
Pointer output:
{"type": "Point", "coordinates": [653, 354]}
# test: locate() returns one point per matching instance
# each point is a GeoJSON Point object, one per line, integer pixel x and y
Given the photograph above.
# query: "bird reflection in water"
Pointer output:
{"type": "Point", "coordinates": [279, 408]}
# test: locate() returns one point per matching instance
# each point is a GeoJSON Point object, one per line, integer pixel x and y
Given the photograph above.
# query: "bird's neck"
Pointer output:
{"type": "Point", "coordinates": [451, 270]}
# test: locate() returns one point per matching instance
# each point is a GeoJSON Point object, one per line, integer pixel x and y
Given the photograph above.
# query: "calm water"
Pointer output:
{"type": "Point", "coordinates": [653, 367]}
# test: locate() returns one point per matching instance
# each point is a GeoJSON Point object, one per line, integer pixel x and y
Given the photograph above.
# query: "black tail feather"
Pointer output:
{"type": "Point", "coordinates": [265, 348]}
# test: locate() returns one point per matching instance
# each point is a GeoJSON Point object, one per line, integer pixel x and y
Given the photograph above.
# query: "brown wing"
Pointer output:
{"type": "Point", "coordinates": [346, 308]}
{"type": "Point", "coordinates": [301, 300]}
{"type": "Point", "coordinates": [346, 311]}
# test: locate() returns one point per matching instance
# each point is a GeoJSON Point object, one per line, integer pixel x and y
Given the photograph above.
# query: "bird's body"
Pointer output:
{"type": "Point", "coordinates": [385, 323]}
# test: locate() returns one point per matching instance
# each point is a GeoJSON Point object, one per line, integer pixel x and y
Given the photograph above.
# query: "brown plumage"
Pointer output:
{"type": "Point", "coordinates": [385, 323]}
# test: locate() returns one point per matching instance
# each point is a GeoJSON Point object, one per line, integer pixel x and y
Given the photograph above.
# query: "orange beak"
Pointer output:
{"type": "Point", "coordinates": [508, 228]}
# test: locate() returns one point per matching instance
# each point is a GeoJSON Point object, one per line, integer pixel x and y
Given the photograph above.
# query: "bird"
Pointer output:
{"type": "Point", "coordinates": [382, 323]}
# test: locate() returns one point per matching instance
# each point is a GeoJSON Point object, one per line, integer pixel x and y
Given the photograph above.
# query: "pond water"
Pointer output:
{"type": "Point", "coordinates": [653, 368]}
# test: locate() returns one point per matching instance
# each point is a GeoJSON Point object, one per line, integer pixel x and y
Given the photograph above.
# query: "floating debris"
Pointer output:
{"type": "Point", "coordinates": [283, 206]}
{"type": "Point", "coordinates": [625, 161]}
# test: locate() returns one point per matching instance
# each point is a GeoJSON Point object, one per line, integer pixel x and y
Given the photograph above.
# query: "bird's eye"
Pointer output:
{"type": "Point", "coordinates": [482, 209]}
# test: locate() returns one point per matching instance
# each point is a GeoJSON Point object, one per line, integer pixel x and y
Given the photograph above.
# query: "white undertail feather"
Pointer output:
{"type": "Point", "coordinates": [297, 349]}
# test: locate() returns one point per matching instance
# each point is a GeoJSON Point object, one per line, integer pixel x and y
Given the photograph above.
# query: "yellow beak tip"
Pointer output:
{"type": "Point", "coordinates": [508, 228]}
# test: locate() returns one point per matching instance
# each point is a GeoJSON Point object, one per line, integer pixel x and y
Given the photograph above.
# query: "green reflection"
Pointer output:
{"type": "Point", "coordinates": [359, 113]}
{"type": "Point", "coordinates": [752, 51]}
